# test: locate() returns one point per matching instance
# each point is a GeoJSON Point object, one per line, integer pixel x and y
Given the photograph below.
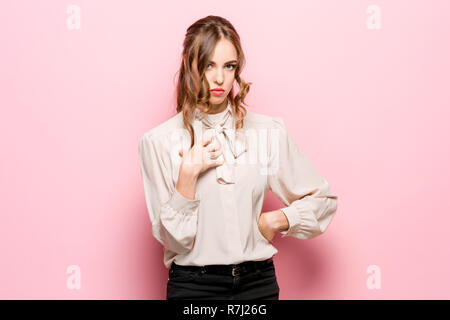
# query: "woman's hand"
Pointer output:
{"type": "Point", "coordinates": [271, 222]}
{"type": "Point", "coordinates": [266, 227]}
{"type": "Point", "coordinates": [201, 157]}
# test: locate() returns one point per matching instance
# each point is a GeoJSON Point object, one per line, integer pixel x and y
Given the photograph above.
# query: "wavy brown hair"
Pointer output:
{"type": "Point", "coordinates": [192, 86]}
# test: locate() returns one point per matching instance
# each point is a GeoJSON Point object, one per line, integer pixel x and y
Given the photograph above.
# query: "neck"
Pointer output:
{"type": "Point", "coordinates": [216, 108]}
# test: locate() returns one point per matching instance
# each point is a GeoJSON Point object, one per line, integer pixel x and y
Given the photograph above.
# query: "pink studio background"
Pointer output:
{"type": "Point", "coordinates": [369, 108]}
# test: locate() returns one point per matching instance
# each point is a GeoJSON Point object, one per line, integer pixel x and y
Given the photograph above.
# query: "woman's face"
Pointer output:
{"type": "Point", "coordinates": [220, 73]}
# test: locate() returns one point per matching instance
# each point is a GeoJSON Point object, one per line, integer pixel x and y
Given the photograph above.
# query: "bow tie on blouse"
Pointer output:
{"type": "Point", "coordinates": [233, 144]}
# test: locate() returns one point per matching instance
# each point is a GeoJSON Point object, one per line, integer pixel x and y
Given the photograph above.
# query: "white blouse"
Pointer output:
{"type": "Point", "coordinates": [220, 225]}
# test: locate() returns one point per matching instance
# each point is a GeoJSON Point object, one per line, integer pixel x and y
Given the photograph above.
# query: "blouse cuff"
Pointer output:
{"type": "Point", "coordinates": [296, 216]}
{"type": "Point", "coordinates": [181, 204]}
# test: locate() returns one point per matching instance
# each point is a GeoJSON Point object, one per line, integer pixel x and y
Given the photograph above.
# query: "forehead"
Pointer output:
{"type": "Point", "coordinates": [224, 51]}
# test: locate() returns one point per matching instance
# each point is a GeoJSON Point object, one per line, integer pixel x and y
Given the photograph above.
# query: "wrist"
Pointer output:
{"type": "Point", "coordinates": [186, 184]}
{"type": "Point", "coordinates": [188, 172]}
{"type": "Point", "coordinates": [279, 220]}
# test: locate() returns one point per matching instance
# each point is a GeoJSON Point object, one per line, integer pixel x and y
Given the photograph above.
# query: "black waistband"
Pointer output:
{"type": "Point", "coordinates": [227, 269]}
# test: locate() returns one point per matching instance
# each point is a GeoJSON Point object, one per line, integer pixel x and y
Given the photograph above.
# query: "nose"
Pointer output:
{"type": "Point", "coordinates": [219, 77]}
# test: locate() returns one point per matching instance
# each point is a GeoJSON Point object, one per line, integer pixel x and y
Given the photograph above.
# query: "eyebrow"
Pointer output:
{"type": "Point", "coordinates": [225, 62]}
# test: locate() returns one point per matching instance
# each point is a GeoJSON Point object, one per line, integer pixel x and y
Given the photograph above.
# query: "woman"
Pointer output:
{"type": "Point", "coordinates": [204, 189]}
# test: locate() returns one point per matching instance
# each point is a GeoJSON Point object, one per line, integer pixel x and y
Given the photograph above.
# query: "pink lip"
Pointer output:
{"type": "Point", "coordinates": [217, 92]}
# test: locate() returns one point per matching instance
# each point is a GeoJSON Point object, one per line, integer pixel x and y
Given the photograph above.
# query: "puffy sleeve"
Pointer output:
{"type": "Point", "coordinates": [310, 204]}
{"type": "Point", "coordinates": [173, 217]}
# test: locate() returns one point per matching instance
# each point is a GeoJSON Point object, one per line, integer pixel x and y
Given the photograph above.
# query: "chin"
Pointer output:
{"type": "Point", "coordinates": [218, 99]}
{"type": "Point", "coordinates": [215, 100]}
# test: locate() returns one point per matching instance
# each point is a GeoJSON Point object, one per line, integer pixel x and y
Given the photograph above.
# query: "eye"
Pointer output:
{"type": "Point", "coordinates": [229, 66]}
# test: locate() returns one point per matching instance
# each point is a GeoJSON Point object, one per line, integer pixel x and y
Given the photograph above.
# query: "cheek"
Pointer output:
{"type": "Point", "coordinates": [230, 81]}
{"type": "Point", "coordinates": [208, 79]}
